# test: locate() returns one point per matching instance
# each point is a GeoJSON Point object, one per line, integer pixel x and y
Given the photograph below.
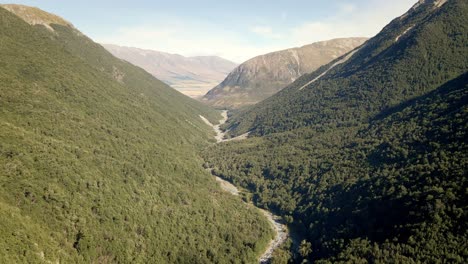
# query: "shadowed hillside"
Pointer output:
{"type": "Point", "coordinates": [366, 158]}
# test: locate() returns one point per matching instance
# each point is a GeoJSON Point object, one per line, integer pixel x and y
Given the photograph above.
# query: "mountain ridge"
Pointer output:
{"type": "Point", "coordinates": [192, 76]}
{"type": "Point", "coordinates": [367, 156]}
{"type": "Point", "coordinates": [381, 54]}
{"type": "Point", "coordinates": [35, 16]}
{"type": "Point", "coordinates": [264, 75]}
{"type": "Point", "coordinates": [99, 161]}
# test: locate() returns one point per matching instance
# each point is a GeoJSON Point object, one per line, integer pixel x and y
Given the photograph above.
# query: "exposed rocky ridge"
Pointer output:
{"type": "Point", "coordinates": [35, 16]}
{"type": "Point", "coordinates": [383, 68]}
{"type": "Point", "coordinates": [193, 76]}
{"type": "Point", "coordinates": [263, 76]}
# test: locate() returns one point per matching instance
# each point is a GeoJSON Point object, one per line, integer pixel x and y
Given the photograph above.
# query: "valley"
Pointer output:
{"type": "Point", "coordinates": [343, 150]}
{"type": "Point", "coordinates": [193, 76]}
{"type": "Point", "coordinates": [221, 135]}
{"type": "Point", "coordinates": [281, 230]}
{"type": "Point", "coordinates": [354, 154]}
{"type": "Point", "coordinates": [99, 161]}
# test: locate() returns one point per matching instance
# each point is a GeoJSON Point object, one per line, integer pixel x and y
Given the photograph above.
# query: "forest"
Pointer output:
{"type": "Point", "coordinates": [364, 159]}
{"type": "Point", "coordinates": [395, 188]}
{"type": "Point", "coordinates": [369, 162]}
{"type": "Point", "coordinates": [99, 161]}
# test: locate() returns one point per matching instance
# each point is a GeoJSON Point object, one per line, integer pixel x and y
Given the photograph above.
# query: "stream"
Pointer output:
{"type": "Point", "coordinates": [281, 231]}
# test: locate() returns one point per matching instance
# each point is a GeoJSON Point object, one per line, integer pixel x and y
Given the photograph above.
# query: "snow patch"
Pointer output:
{"type": "Point", "coordinates": [343, 60]}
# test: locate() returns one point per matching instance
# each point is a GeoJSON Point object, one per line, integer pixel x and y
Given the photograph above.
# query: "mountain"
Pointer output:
{"type": "Point", "coordinates": [412, 55]}
{"type": "Point", "coordinates": [263, 76]}
{"type": "Point", "coordinates": [366, 158]}
{"type": "Point", "coordinates": [99, 161]}
{"type": "Point", "coordinates": [193, 76]}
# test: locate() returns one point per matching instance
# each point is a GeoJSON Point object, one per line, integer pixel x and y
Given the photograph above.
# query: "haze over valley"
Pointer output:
{"type": "Point", "coordinates": [192, 76]}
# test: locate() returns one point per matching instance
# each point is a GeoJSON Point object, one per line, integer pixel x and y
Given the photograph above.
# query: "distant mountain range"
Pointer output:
{"type": "Point", "coordinates": [406, 59]}
{"type": "Point", "coordinates": [364, 159]}
{"type": "Point", "coordinates": [193, 76]}
{"type": "Point", "coordinates": [263, 76]}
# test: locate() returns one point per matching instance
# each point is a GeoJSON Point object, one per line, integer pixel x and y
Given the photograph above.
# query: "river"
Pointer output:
{"type": "Point", "coordinates": [281, 231]}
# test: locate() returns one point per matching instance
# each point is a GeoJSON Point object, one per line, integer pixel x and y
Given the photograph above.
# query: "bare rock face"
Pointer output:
{"type": "Point", "coordinates": [420, 4]}
{"type": "Point", "coordinates": [263, 76]}
{"type": "Point", "coordinates": [193, 76]}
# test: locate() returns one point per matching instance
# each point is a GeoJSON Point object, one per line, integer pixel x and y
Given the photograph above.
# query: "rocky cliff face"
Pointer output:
{"type": "Point", "coordinates": [263, 76]}
{"type": "Point", "coordinates": [193, 76]}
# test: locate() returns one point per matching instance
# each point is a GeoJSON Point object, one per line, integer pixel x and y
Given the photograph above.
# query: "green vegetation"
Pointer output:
{"type": "Point", "coordinates": [369, 163]}
{"type": "Point", "coordinates": [383, 73]}
{"type": "Point", "coordinates": [98, 161]}
{"type": "Point", "coordinates": [34, 15]}
{"type": "Point", "coordinates": [396, 188]}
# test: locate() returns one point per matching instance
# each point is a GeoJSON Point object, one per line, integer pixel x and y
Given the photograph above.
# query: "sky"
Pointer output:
{"type": "Point", "coordinates": [236, 30]}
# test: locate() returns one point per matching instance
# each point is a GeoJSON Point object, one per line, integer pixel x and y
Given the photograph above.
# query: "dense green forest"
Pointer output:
{"type": "Point", "coordinates": [381, 74]}
{"type": "Point", "coordinates": [396, 188]}
{"type": "Point", "coordinates": [99, 161]}
{"type": "Point", "coordinates": [368, 164]}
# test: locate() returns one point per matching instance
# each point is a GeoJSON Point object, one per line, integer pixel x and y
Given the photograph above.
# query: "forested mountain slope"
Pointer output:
{"type": "Point", "coordinates": [411, 56]}
{"type": "Point", "coordinates": [391, 190]}
{"type": "Point", "coordinates": [264, 75]}
{"type": "Point", "coordinates": [98, 159]}
{"type": "Point", "coordinates": [369, 162]}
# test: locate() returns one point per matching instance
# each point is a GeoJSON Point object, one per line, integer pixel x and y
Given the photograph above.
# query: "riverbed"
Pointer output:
{"type": "Point", "coordinates": [281, 231]}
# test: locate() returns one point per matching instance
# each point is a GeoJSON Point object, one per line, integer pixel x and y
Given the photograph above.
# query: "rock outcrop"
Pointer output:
{"type": "Point", "coordinates": [263, 76]}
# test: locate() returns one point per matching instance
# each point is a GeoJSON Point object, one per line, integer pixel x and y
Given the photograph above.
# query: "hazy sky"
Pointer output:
{"type": "Point", "coordinates": [236, 29]}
